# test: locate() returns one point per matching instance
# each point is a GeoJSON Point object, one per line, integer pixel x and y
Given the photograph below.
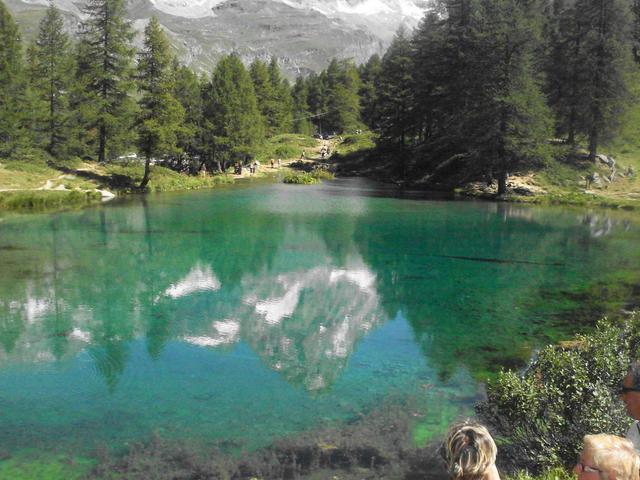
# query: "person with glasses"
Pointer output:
{"type": "Point", "coordinates": [630, 394]}
{"type": "Point", "coordinates": [470, 453]}
{"type": "Point", "coordinates": [607, 457]}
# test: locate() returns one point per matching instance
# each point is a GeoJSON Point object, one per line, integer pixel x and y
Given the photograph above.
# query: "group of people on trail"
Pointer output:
{"type": "Point", "coordinates": [324, 151]}
{"type": "Point", "coordinates": [470, 453]}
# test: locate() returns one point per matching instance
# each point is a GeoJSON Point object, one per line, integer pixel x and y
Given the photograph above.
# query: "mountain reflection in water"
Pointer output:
{"type": "Point", "coordinates": [278, 306]}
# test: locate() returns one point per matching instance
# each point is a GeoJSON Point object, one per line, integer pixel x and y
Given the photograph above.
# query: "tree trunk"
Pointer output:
{"type": "Point", "coordinates": [593, 144]}
{"type": "Point", "coordinates": [103, 144]}
{"type": "Point", "coordinates": [502, 182]}
{"type": "Point", "coordinates": [145, 178]}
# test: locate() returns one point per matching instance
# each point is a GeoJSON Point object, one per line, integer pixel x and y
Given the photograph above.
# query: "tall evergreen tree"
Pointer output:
{"type": "Point", "coordinates": [301, 111]}
{"type": "Point", "coordinates": [283, 113]}
{"type": "Point", "coordinates": [265, 95]}
{"type": "Point", "coordinates": [342, 100]}
{"type": "Point", "coordinates": [233, 121]}
{"type": "Point", "coordinates": [566, 73]}
{"type": "Point", "coordinates": [161, 115]}
{"type": "Point", "coordinates": [395, 92]}
{"type": "Point", "coordinates": [369, 77]}
{"type": "Point", "coordinates": [317, 97]}
{"type": "Point", "coordinates": [608, 59]}
{"type": "Point", "coordinates": [12, 84]}
{"type": "Point", "coordinates": [52, 79]}
{"type": "Point", "coordinates": [106, 74]}
{"type": "Point", "coordinates": [511, 119]}
{"type": "Point", "coordinates": [187, 92]}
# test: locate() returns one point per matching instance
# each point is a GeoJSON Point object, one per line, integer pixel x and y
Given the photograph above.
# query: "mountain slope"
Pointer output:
{"type": "Point", "coordinates": [303, 34]}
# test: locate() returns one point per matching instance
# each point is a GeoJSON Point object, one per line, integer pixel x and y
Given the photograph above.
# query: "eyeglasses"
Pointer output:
{"type": "Point", "coordinates": [622, 390]}
{"type": "Point", "coordinates": [586, 468]}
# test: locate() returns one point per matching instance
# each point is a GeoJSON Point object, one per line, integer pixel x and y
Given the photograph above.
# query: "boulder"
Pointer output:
{"type": "Point", "coordinates": [608, 161]}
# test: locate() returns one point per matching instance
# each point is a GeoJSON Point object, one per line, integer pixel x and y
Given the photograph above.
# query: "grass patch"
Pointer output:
{"type": "Point", "coordinates": [128, 177]}
{"type": "Point", "coordinates": [46, 199]}
{"type": "Point", "coordinates": [286, 147]}
{"type": "Point", "coordinates": [356, 142]}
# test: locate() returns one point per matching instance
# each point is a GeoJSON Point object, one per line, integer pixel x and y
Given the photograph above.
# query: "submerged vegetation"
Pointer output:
{"type": "Point", "coordinates": [377, 445]}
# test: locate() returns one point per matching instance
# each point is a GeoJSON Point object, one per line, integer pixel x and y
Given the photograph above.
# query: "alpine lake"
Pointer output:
{"type": "Point", "coordinates": [249, 313]}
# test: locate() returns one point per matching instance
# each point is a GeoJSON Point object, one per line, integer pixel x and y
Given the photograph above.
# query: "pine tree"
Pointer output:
{"type": "Point", "coordinates": [342, 100]}
{"type": "Point", "coordinates": [106, 71]}
{"type": "Point", "coordinates": [566, 73]}
{"type": "Point", "coordinates": [607, 57]}
{"type": "Point", "coordinates": [234, 126]}
{"type": "Point", "coordinates": [12, 85]}
{"type": "Point", "coordinates": [511, 119]}
{"type": "Point", "coordinates": [265, 96]}
{"type": "Point", "coordinates": [395, 94]}
{"type": "Point", "coordinates": [283, 112]}
{"type": "Point", "coordinates": [161, 115]}
{"type": "Point", "coordinates": [317, 97]}
{"type": "Point", "coordinates": [370, 76]}
{"type": "Point", "coordinates": [301, 110]}
{"type": "Point", "coordinates": [187, 92]}
{"type": "Point", "coordinates": [52, 78]}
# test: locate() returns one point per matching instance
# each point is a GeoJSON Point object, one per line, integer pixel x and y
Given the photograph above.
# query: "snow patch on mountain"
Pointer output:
{"type": "Point", "coordinates": [411, 9]}
{"type": "Point", "coordinates": [187, 8]}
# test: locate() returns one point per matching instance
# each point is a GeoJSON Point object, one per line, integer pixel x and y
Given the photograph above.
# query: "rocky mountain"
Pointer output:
{"type": "Point", "coordinates": [303, 34]}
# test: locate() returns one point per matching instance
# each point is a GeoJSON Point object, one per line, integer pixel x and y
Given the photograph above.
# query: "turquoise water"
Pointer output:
{"type": "Point", "coordinates": [242, 315]}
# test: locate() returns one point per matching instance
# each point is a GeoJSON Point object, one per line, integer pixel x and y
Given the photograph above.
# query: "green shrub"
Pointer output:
{"type": "Point", "coordinates": [46, 199]}
{"type": "Point", "coordinates": [567, 392]}
{"type": "Point", "coordinates": [300, 178]}
{"type": "Point", "coordinates": [552, 474]}
{"type": "Point", "coordinates": [322, 174]}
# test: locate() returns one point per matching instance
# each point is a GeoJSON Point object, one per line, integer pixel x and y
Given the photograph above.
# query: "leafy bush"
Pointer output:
{"type": "Point", "coordinates": [568, 391]}
{"type": "Point", "coordinates": [300, 178]}
{"type": "Point", "coordinates": [46, 199]}
{"type": "Point", "coordinates": [552, 474]}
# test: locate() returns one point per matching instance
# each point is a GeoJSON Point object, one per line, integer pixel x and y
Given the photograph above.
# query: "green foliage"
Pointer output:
{"type": "Point", "coordinates": [46, 199]}
{"type": "Point", "coordinates": [308, 178]}
{"type": "Point", "coordinates": [283, 113]}
{"type": "Point", "coordinates": [566, 393]}
{"type": "Point", "coordinates": [370, 77]}
{"type": "Point", "coordinates": [163, 179]}
{"type": "Point", "coordinates": [233, 124]}
{"type": "Point", "coordinates": [12, 88]}
{"type": "Point", "coordinates": [342, 100]}
{"type": "Point", "coordinates": [161, 115]}
{"type": "Point", "coordinates": [300, 178]}
{"type": "Point", "coordinates": [395, 94]}
{"type": "Point", "coordinates": [105, 73]}
{"type": "Point", "coordinates": [286, 147]}
{"type": "Point", "coordinates": [301, 109]}
{"type": "Point", "coordinates": [51, 78]}
{"type": "Point", "coordinates": [557, 473]}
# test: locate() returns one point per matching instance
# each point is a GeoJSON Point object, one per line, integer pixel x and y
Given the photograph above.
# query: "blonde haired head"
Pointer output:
{"type": "Point", "coordinates": [614, 456]}
{"type": "Point", "coordinates": [469, 451]}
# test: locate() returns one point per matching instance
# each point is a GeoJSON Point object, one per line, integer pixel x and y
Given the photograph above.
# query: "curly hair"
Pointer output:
{"type": "Point", "coordinates": [468, 451]}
